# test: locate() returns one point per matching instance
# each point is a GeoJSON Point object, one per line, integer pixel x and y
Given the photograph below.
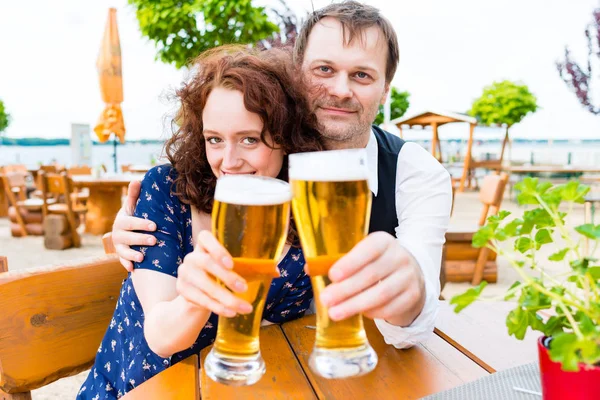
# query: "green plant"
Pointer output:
{"type": "Point", "coordinates": [572, 298]}
{"type": "Point", "coordinates": [4, 118]}
{"type": "Point", "coordinates": [182, 29]}
{"type": "Point", "coordinates": [398, 106]}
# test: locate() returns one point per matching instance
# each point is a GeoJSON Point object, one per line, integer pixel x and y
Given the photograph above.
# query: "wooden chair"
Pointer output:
{"type": "Point", "coordinates": [80, 196]}
{"type": "Point", "coordinates": [53, 319]}
{"type": "Point", "coordinates": [464, 262]}
{"type": "Point", "coordinates": [3, 264]}
{"type": "Point", "coordinates": [61, 185]}
{"type": "Point", "coordinates": [25, 214]}
{"type": "Point", "coordinates": [109, 247]}
{"type": "Point", "coordinates": [79, 170]}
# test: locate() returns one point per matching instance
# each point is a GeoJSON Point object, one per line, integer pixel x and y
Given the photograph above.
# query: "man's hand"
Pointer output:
{"type": "Point", "coordinates": [378, 278]}
{"type": "Point", "coordinates": [124, 225]}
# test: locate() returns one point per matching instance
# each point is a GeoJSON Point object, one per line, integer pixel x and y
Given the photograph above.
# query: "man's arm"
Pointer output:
{"type": "Point", "coordinates": [423, 205]}
{"type": "Point", "coordinates": [123, 235]}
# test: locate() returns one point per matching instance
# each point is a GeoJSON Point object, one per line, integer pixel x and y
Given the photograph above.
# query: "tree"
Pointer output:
{"type": "Point", "coordinates": [182, 29]}
{"type": "Point", "coordinates": [503, 103]}
{"type": "Point", "coordinates": [398, 107]}
{"type": "Point", "coordinates": [576, 77]}
{"type": "Point", "coordinates": [4, 119]}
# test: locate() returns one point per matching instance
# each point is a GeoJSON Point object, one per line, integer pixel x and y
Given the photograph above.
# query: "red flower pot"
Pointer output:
{"type": "Point", "coordinates": [560, 385]}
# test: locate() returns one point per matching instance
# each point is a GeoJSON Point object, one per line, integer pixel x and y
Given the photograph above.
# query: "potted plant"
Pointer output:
{"type": "Point", "coordinates": [569, 350]}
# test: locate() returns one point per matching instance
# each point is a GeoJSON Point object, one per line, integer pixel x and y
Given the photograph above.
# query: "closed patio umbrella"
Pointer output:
{"type": "Point", "coordinates": [111, 85]}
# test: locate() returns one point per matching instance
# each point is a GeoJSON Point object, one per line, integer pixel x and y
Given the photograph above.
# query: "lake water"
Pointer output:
{"type": "Point", "coordinates": [134, 153]}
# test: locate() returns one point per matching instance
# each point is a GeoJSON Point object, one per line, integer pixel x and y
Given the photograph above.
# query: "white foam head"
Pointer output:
{"type": "Point", "coordinates": [252, 190]}
{"type": "Point", "coordinates": [330, 166]}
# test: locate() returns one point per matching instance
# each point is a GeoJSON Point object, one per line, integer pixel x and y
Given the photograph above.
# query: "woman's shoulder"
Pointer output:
{"type": "Point", "coordinates": [160, 178]}
{"type": "Point", "coordinates": [164, 173]}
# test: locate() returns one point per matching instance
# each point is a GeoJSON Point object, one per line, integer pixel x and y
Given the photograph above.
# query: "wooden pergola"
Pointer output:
{"type": "Point", "coordinates": [435, 120]}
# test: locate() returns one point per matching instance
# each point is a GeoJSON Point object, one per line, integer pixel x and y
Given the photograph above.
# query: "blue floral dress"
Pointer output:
{"type": "Point", "coordinates": [124, 359]}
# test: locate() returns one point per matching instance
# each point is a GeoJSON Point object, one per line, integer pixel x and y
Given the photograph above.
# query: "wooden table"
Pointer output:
{"type": "Point", "coordinates": [139, 168]}
{"type": "Point", "coordinates": [104, 201]}
{"type": "Point", "coordinates": [556, 169]}
{"type": "Point", "coordinates": [459, 352]}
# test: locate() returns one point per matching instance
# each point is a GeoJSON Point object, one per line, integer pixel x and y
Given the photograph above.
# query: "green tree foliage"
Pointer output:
{"type": "Point", "coordinates": [4, 118]}
{"type": "Point", "coordinates": [398, 107]}
{"type": "Point", "coordinates": [503, 103]}
{"type": "Point", "coordinates": [182, 29]}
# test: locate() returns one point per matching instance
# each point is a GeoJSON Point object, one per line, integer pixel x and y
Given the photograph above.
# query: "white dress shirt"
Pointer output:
{"type": "Point", "coordinates": [423, 203]}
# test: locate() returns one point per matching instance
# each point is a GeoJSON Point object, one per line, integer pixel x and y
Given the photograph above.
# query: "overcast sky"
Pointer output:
{"type": "Point", "coordinates": [449, 50]}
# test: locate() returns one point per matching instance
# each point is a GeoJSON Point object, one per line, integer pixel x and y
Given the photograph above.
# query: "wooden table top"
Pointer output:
{"type": "Point", "coordinates": [105, 180]}
{"type": "Point", "coordinates": [480, 332]}
{"type": "Point", "coordinates": [592, 198]}
{"type": "Point", "coordinates": [550, 168]}
{"type": "Point", "coordinates": [411, 374]}
{"type": "Point", "coordinates": [467, 346]}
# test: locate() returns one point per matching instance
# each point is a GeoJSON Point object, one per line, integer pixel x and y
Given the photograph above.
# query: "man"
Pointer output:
{"type": "Point", "coordinates": [349, 54]}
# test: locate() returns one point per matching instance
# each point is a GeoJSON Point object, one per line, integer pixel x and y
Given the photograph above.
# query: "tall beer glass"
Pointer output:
{"type": "Point", "coordinates": [332, 206]}
{"type": "Point", "coordinates": [250, 219]}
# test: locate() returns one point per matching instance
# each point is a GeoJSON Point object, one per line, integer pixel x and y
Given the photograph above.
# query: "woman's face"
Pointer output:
{"type": "Point", "coordinates": [232, 136]}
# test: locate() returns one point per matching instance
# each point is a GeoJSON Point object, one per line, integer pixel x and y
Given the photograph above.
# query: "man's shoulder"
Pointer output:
{"type": "Point", "coordinates": [387, 140]}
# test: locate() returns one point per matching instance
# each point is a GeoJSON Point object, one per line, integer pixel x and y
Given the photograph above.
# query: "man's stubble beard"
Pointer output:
{"type": "Point", "coordinates": [341, 134]}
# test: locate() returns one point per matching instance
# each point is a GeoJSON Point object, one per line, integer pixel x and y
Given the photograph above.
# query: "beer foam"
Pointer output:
{"type": "Point", "coordinates": [252, 190]}
{"type": "Point", "coordinates": [330, 166]}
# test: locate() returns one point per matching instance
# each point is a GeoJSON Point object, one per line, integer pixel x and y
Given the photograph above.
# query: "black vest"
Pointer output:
{"type": "Point", "coordinates": [383, 209]}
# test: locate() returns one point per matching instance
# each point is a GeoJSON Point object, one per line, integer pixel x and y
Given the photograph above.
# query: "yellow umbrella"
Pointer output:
{"type": "Point", "coordinates": [111, 83]}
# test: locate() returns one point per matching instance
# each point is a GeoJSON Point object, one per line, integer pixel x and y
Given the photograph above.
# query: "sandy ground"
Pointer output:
{"type": "Point", "coordinates": [30, 252]}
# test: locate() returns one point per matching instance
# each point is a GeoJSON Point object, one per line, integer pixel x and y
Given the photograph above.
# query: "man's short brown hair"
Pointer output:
{"type": "Point", "coordinates": [355, 17]}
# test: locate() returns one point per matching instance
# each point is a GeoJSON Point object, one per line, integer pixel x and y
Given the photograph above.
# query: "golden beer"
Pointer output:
{"type": "Point", "coordinates": [250, 219]}
{"type": "Point", "coordinates": [332, 205]}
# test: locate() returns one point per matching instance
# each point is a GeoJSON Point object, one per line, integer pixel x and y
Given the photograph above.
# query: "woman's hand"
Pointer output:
{"type": "Point", "coordinates": [198, 273]}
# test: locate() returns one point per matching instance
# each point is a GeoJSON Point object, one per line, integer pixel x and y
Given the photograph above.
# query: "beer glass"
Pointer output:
{"type": "Point", "coordinates": [250, 219]}
{"type": "Point", "coordinates": [332, 205]}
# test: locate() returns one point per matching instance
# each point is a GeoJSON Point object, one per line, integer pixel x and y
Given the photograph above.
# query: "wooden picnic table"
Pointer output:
{"type": "Point", "coordinates": [104, 200]}
{"type": "Point", "coordinates": [459, 352]}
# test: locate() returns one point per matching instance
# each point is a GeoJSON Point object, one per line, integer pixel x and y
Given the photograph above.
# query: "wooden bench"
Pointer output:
{"type": "Point", "coordinates": [53, 320]}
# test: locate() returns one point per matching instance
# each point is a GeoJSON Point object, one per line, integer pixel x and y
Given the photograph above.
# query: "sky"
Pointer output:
{"type": "Point", "coordinates": [449, 50]}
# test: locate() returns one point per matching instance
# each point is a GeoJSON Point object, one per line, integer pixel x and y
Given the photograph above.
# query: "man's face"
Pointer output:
{"type": "Point", "coordinates": [348, 82]}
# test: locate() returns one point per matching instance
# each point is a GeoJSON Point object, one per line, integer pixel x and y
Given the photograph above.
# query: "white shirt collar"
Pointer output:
{"type": "Point", "coordinates": [372, 162]}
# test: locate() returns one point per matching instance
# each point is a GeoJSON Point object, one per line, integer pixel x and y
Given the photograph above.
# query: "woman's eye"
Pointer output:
{"type": "Point", "coordinates": [250, 140]}
{"type": "Point", "coordinates": [213, 140]}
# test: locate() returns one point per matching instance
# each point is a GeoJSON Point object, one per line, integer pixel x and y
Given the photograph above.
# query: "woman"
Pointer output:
{"type": "Point", "coordinates": [241, 113]}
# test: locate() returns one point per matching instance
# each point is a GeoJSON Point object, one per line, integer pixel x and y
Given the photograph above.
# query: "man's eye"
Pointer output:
{"type": "Point", "coordinates": [362, 75]}
{"type": "Point", "coordinates": [324, 69]}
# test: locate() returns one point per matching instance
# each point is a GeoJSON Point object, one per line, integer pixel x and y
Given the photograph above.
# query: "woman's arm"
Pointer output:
{"type": "Point", "coordinates": [172, 324]}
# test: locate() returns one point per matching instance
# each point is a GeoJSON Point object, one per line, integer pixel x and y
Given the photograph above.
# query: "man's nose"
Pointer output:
{"type": "Point", "coordinates": [340, 87]}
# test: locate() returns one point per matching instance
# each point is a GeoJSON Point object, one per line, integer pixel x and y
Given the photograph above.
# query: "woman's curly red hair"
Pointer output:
{"type": "Point", "coordinates": [272, 88]}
